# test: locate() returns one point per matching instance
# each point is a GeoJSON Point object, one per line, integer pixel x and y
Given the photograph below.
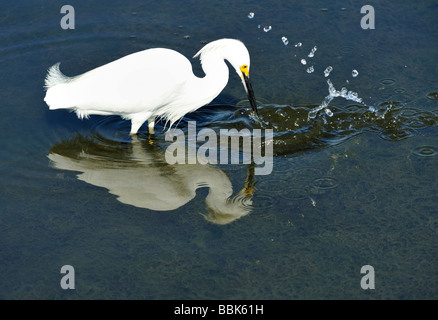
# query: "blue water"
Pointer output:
{"type": "Point", "coordinates": [354, 189]}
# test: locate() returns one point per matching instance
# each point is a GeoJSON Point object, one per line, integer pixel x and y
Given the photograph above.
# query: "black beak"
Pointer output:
{"type": "Point", "coordinates": [250, 93]}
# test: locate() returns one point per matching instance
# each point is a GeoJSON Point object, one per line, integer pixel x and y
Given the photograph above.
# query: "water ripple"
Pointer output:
{"type": "Point", "coordinates": [295, 194]}
{"type": "Point", "coordinates": [387, 82]}
{"type": "Point", "coordinates": [294, 132]}
{"type": "Point", "coordinates": [263, 201]}
{"type": "Point", "coordinates": [307, 174]}
{"type": "Point", "coordinates": [272, 185]}
{"type": "Point", "coordinates": [325, 183]}
{"type": "Point", "coordinates": [397, 135]}
{"type": "Point", "coordinates": [432, 96]}
{"type": "Point", "coordinates": [425, 151]}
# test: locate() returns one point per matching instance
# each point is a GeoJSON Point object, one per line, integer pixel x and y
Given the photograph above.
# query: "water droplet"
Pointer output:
{"type": "Point", "coordinates": [333, 93]}
{"type": "Point", "coordinates": [324, 10]}
{"type": "Point", "coordinates": [267, 28]}
{"type": "Point", "coordinates": [344, 92]}
{"type": "Point", "coordinates": [187, 37]}
{"type": "Point", "coordinates": [328, 112]}
{"type": "Point", "coordinates": [312, 113]}
{"type": "Point", "coordinates": [310, 69]}
{"type": "Point", "coordinates": [299, 44]}
{"type": "Point", "coordinates": [425, 151]}
{"type": "Point", "coordinates": [312, 52]}
{"type": "Point", "coordinates": [354, 73]}
{"type": "Point", "coordinates": [303, 61]}
{"type": "Point", "coordinates": [353, 96]}
{"type": "Point", "coordinates": [327, 71]}
{"type": "Point", "coordinates": [372, 109]}
{"type": "Point", "coordinates": [251, 15]}
{"type": "Point", "coordinates": [285, 41]}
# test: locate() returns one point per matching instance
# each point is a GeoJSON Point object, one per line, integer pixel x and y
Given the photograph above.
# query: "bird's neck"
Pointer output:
{"type": "Point", "coordinates": [216, 78]}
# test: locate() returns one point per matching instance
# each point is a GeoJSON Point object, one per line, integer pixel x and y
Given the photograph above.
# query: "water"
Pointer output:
{"type": "Point", "coordinates": [353, 185]}
{"type": "Point", "coordinates": [284, 40]}
{"type": "Point", "coordinates": [327, 71]}
{"type": "Point", "coordinates": [312, 52]}
{"type": "Point", "coordinates": [333, 93]}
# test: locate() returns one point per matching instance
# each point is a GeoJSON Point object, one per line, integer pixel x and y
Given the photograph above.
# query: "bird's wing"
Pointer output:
{"type": "Point", "coordinates": [146, 79]}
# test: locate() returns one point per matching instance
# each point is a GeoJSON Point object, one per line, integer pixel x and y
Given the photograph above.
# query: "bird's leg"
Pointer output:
{"type": "Point", "coordinates": [137, 121]}
{"type": "Point", "coordinates": [151, 125]}
{"type": "Point", "coordinates": [134, 127]}
{"type": "Point", "coordinates": [249, 188]}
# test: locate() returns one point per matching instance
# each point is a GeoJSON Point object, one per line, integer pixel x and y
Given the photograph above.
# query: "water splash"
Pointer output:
{"type": "Point", "coordinates": [251, 15]}
{"type": "Point", "coordinates": [310, 69]}
{"type": "Point", "coordinates": [297, 45]}
{"type": "Point", "coordinates": [328, 112]}
{"type": "Point", "coordinates": [333, 93]}
{"type": "Point", "coordinates": [354, 73]}
{"type": "Point", "coordinates": [303, 62]}
{"type": "Point", "coordinates": [390, 120]}
{"type": "Point", "coordinates": [267, 28]}
{"type": "Point", "coordinates": [285, 41]}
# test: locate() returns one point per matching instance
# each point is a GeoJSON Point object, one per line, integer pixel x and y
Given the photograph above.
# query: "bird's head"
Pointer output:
{"type": "Point", "coordinates": [238, 56]}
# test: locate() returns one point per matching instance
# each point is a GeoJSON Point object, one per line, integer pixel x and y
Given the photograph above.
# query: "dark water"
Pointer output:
{"type": "Point", "coordinates": [358, 188]}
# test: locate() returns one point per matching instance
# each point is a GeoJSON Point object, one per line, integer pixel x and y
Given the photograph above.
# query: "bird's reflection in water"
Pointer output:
{"type": "Point", "coordinates": [138, 175]}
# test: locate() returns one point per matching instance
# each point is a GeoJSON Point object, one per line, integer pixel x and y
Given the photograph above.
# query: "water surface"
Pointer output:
{"type": "Point", "coordinates": [352, 189]}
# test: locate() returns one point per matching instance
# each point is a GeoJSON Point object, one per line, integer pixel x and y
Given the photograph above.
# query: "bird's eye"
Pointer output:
{"type": "Point", "coordinates": [244, 66]}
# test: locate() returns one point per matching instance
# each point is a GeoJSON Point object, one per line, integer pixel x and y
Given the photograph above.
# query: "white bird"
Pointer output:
{"type": "Point", "coordinates": [151, 83]}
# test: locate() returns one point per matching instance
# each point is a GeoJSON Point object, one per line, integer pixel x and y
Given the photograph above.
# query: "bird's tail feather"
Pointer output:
{"type": "Point", "coordinates": [56, 84]}
{"type": "Point", "coordinates": [55, 76]}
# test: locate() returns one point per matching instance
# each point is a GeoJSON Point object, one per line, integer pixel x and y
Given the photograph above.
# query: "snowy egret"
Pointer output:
{"type": "Point", "coordinates": [151, 83]}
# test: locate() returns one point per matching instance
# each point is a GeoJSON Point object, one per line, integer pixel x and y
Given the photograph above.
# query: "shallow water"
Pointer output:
{"type": "Point", "coordinates": [347, 190]}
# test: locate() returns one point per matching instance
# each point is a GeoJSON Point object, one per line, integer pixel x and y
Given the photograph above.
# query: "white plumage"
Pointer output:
{"type": "Point", "coordinates": [148, 84]}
